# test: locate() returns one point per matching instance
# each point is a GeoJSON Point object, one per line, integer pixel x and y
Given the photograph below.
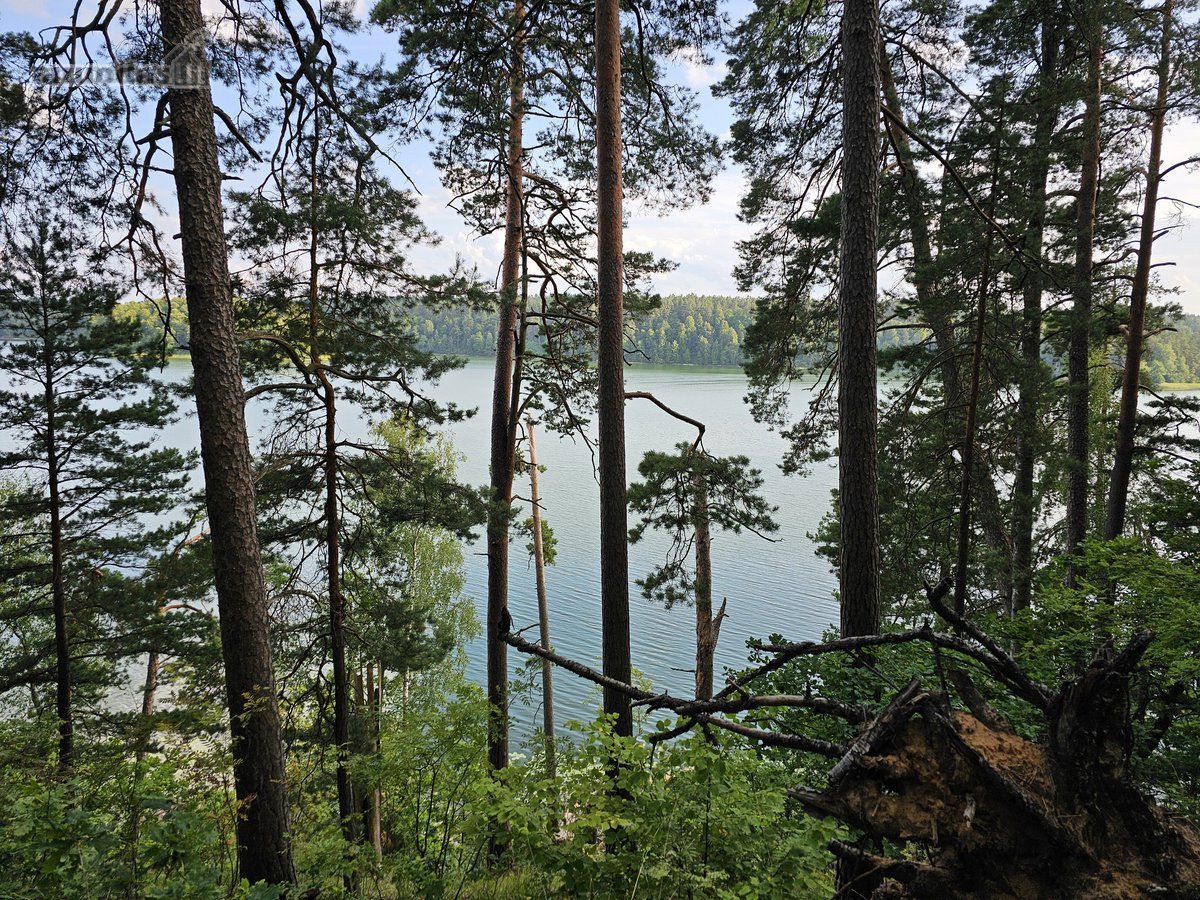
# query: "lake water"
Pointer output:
{"type": "Point", "coordinates": [779, 586]}
{"type": "Point", "coordinates": [774, 587]}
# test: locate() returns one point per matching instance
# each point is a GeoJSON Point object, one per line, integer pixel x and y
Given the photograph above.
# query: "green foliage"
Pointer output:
{"type": "Point", "coordinates": [682, 486]}
{"type": "Point", "coordinates": [120, 827]}
{"type": "Point", "coordinates": [403, 559]}
{"type": "Point", "coordinates": [1173, 356]}
{"type": "Point", "coordinates": [693, 817]}
{"type": "Point", "coordinates": [706, 331]}
{"type": "Point", "coordinates": [163, 321]}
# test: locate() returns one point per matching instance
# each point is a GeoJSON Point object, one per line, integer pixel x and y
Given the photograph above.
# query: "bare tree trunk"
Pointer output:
{"type": "Point", "coordinates": [337, 610]}
{"type": "Point", "coordinates": [149, 695]}
{"type": "Point", "coordinates": [58, 589]}
{"type": "Point", "coordinates": [539, 570]}
{"type": "Point", "coordinates": [968, 450]}
{"type": "Point", "coordinates": [1078, 419]}
{"type": "Point", "coordinates": [1029, 401]}
{"type": "Point", "coordinates": [858, 496]}
{"type": "Point", "coordinates": [150, 687]}
{"type": "Point", "coordinates": [375, 796]}
{"type": "Point", "coordinates": [614, 547]}
{"type": "Point", "coordinates": [264, 853]}
{"type": "Point", "coordinates": [1122, 466]}
{"type": "Point", "coordinates": [708, 626]}
{"type": "Point", "coordinates": [502, 402]}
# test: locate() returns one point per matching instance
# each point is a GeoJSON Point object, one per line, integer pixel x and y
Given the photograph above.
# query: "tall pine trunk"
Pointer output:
{"type": "Point", "coordinates": [858, 489]}
{"type": "Point", "coordinates": [539, 574]}
{"type": "Point", "coordinates": [332, 516]}
{"type": "Point", "coordinates": [58, 581]}
{"type": "Point", "coordinates": [614, 548]}
{"type": "Point", "coordinates": [1030, 387]}
{"type": "Point", "coordinates": [1079, 350]}
{"type": "Point", "coordinates": [501, 431]}
{"type": "Point", "coordinates": [264, 853]}
{"type": "Point", "coordinates": [708, 626]}
{"type": "Point", "coordinates": [337, 616]}
{"type": "Point", "coordinates": [1122, 466]}
{"type": "Point", "coordinates": [858, 495]}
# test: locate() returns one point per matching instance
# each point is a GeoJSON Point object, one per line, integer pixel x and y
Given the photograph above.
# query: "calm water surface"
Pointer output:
{"type": "Point", "coordinates": [779, 586]}
{"type": "Point", "coordinates": [772, 587]}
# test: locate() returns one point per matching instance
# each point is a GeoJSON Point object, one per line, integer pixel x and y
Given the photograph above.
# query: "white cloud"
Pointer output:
{"type": "Point", "coordinates": [1181, 142]}
{"type": "Point", "coordinates": [701, 240]}
{"type": "Point", "coordinates": [695, 72]}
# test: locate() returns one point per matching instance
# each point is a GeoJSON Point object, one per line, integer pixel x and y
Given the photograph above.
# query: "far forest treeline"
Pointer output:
{"type": "Point", "coordinates": [689, 330]}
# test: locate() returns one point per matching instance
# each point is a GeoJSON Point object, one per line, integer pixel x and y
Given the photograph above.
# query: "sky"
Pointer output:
{"type": "Point", "coordinates": [702, 240]}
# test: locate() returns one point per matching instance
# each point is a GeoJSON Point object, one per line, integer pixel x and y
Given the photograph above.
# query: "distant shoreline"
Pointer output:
{"type": "Point", "coordinates": [183, 355]}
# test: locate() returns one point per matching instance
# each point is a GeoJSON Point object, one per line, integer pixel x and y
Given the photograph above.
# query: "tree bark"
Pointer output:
{"type": "Point", "coordinates": [708, 626]}
{"type": "Point", "coordinates": [337, 617]}
{"type": "Point", "coordinates": [968, 450]}
{"type": "Point", "coordinates": [375, 796]}
{"type": "Point", "coordinates": [614, 548]}
{"type": "Point", "coordinates": [1030, 388]}
{"type": "Point", "coordinates": [858, 496]}
{"type": "Point", "coordinates": [858, 487]}
{"type": "Point", "coordinates": [58, 582]}
{"type": "Point", "coordinates": [1078, 419]}
{"type": "Point", "coordinates": [1122, 465]}
{"type": "Point", "coordinates": [502, 402]}
{"type": "Point", "coordinates": [539, 572]}
{"type": "Point", "coordinates": [264, 854]}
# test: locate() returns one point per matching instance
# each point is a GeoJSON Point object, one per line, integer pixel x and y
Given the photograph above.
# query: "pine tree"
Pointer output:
{"type": "Point", "coordinates": [858, 492]}
{"type": "Point", "coordinates": [264, 851]}
{"type": "Point", "coordinates": [320, 303]}
{"type": "Point", "coordinates": [79, 408]}
{"type": "Point", "coordinates": [518, 152]}
{"type": "Point", "coordinates": [687, 494]}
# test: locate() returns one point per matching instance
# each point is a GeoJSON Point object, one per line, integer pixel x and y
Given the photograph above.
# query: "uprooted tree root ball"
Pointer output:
{"type": "Point", "coordinates": [974, 809]}
{"type": "Point", "coordinates": [985, 813]}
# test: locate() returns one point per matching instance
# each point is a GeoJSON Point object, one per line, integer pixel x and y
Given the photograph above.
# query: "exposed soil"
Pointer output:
{"type": "Point", "coordinates": [984, 813]}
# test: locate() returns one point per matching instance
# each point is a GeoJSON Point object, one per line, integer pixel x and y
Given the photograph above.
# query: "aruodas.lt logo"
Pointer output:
{"type": "Point", "coordinates": [182, 67]}
{"type": "Point", "coordinates": [186, 64]}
